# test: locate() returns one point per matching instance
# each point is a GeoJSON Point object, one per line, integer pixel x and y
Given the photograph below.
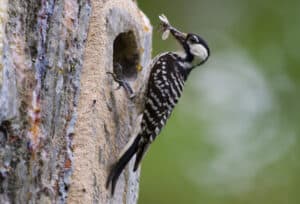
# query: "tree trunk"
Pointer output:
{"type": "Point", "coordinates": [62, 123]}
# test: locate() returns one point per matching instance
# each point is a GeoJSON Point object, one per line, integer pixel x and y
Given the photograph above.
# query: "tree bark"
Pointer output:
{"type": "Point", "coordinates": [62, 123]}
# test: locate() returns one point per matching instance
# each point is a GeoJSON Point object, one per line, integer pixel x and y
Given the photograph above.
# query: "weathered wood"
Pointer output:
{"type": "Point", "coordinates": [62, 124]}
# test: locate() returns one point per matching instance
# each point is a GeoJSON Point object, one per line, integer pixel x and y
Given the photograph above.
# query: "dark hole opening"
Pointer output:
{"type": "Point", "coordinates": [126, 56]}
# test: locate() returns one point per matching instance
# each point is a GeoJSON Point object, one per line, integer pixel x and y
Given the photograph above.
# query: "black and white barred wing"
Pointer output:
{"type": "Point", "coordinates": [164, 89]}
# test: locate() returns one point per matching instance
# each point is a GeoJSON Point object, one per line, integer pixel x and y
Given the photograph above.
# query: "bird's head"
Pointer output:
{"type": "Point", "coordinates": [196, 48]}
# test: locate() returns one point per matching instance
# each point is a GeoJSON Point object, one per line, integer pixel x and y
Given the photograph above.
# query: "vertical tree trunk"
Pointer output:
{"type": "Point", "coordinates": [62, 124]}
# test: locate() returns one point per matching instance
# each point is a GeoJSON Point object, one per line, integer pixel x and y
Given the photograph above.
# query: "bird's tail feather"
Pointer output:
{"type": "Point", "coordinates": [118, 167]}
{"type": "Point", "coordinates": [143, 147]}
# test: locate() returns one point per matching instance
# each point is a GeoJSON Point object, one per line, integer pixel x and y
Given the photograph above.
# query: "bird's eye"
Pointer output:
{"type": "Point", "coordinates": [193, 39]}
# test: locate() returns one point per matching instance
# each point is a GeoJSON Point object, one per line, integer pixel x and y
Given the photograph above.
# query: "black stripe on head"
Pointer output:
{"type": "Point", "coordinates": [200, 40]}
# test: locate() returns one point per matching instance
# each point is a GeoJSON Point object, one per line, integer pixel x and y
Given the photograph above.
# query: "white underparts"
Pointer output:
{"type": "Point", "coordinates": [181, 54]}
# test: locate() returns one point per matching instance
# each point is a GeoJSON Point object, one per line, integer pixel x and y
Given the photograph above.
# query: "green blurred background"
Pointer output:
{"type": "Point", "coordinates": [234, 136]}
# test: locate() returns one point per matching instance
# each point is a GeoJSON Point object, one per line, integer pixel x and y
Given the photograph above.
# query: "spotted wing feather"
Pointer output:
{"type": "Point", "coordinates": [165, 86]}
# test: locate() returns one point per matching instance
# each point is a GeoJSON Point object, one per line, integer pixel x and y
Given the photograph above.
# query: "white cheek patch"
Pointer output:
{"type": "Point", "coordinates": [199, 51]}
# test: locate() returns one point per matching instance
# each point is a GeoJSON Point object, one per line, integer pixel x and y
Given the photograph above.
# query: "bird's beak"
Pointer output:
{"type": "Point", "coordinates": [180, 36]}
{"type": "Point", "coordinates": [167, 28]}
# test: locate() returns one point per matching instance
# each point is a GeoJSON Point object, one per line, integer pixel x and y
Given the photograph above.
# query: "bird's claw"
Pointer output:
{"type": "Point", "coordinates": [124, 84]}
{"type": "Point", "coordinates": [119, 86]}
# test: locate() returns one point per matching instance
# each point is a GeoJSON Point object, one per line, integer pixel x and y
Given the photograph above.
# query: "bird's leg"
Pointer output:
{"type": "Point", "coordinates": [117, 77]}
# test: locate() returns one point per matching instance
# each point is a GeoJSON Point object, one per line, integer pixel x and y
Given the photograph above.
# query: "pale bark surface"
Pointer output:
{"type": "Point", "coordinates": [62, 124]}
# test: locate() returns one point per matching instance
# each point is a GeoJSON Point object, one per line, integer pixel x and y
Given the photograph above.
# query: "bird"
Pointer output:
{"type": "Point", "coordinates": [169, 72]}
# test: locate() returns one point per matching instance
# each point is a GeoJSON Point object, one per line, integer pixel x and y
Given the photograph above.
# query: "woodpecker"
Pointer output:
{"type": "Point", "coordinates": [169, 71]}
